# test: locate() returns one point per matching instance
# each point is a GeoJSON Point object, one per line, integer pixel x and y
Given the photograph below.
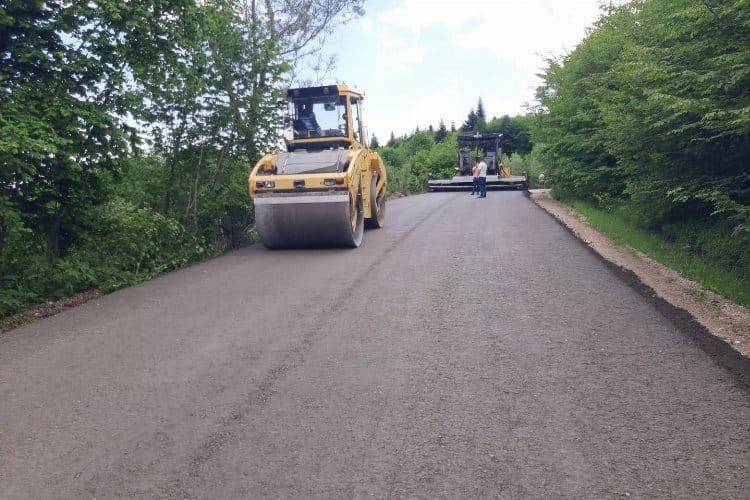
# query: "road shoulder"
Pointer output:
{"type": "Point", "coordinates": [720, 317]}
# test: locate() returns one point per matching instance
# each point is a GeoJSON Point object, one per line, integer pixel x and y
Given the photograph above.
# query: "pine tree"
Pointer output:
{"type": "Point", "coordinates": [453, 126]}
{"type": "Point", "coordinates": [392, 141]}
{"type": "Point", "coordinates": [480, 111]}
{"type": "Point", "coordinates": [481, 124]}
{"type": "Point", "coordinates": [374, 142]}
{"type": "Point", "coordinates": [471, 121]}
{"type": "Point", "coordinates": [441, 132]}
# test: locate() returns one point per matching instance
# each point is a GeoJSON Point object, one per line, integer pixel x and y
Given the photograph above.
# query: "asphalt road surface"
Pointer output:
{"type": "Point", "coordinates": [471, 348]}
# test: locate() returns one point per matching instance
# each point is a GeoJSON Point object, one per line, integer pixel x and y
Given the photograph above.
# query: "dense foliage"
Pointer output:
{"type": "Point", "coordinates": [127, 130]}
{"type": "Point", "coordinates": [650, 116]}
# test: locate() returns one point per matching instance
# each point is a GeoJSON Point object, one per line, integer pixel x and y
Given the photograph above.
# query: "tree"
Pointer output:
{"type": "Point", "coordinates": [681, 93]}
{"type": "Point", "coordinates": [515, 131]}
{"type": "Point", "coordinates": [480, 111]}
{"type": "Point", "coordinates": [213, 110]}
{"type": "Point", "coordinates": [572, 127]}
{"type": "Point", "coordinates": [441, 132]}
{"type": "Point", "coordinates": [374, 142]}
{"type": "Point", "coordinates": [66, 72]}
{"type": "Point", "coordinates": [303, 28]}
{"type": "Point", "coordinates": [481, 118]}
{"type": "Point", "coordinates": [651, 109]}
{"type": "Point", "coordinates": [391, 141]}
{"type": "Point", "coordinates": [471, 122]}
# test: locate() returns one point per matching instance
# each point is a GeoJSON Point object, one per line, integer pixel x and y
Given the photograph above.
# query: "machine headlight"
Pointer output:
{"type": "Point", "coordinates": [329, 182]}
{"type": "Point", "coordinates": [265, 184]}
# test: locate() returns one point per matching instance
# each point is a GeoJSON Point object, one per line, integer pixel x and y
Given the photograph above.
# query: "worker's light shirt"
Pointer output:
{"type": "Point", "coordinates": [482, 169]}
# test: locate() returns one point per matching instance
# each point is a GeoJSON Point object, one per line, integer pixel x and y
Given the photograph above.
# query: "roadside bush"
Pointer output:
{"type": "Point", "coordinates": [533, 166]}
{"type": "Point", "coordinates": [124, 245]}
{"type": "Point", "coordinates": [130, 244]}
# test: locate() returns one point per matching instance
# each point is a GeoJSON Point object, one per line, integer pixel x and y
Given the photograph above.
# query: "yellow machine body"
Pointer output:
{"type": "Point", "coordinates": [328, 185]}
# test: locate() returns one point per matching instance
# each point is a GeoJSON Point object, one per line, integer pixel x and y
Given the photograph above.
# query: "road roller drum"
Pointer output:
{"type": "Point", "coordinates": [309, 220]}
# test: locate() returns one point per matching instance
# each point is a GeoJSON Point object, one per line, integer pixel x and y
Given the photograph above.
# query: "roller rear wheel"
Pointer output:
{"type": "Point", "coordinates": [377, 205]}
{"type": "Point", "coordinates": [357, 222]}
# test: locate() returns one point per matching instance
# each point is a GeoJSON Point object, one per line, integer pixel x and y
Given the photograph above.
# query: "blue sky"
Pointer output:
{"type": "Point", "coordinates": [422, 60]}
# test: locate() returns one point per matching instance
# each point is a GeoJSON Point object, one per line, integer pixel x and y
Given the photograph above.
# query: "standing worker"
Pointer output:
{"type": "Point", "coordinates": [474, 178]}
{"type": "Point", "coordinates": [541, 180]}
{"type": "Point", "coordinates": [482, 176]}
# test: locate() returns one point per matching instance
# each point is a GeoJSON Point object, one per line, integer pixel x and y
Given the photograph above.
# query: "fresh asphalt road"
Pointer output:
{"type": "Point", "coordinates": [471, 348]}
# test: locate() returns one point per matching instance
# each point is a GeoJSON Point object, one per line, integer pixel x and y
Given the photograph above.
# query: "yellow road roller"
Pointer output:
{"type": "Point", "coordinates": [328, 185]}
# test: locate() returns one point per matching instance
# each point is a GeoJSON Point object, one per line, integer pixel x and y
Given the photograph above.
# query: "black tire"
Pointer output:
{"type": "Point", "coordinates": [354, 237]}
{"type": "Point", "coordinates": [377, 206]}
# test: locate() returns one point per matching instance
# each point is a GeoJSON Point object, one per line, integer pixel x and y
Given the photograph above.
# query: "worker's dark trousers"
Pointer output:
{"type": "Point", "coordinates": [475, 185]}
{"type": "Point", "coordinates": [482, 186]}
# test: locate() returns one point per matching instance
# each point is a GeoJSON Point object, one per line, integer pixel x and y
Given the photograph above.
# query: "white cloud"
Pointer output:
{"type": "Point", "coordinates": [423, 60]}
{"type": "Point", "coordinates": [511, 30]}
{"type": "Point", "coordinates": [444, 101]}
{"type": "Point", "coordinates": [416, 15]}
{"type": "Point", "coordinates": [397, 54]}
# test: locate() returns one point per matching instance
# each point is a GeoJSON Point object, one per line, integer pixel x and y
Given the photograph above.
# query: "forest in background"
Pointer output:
{"type": "Point", "coordinates": [127, 130]}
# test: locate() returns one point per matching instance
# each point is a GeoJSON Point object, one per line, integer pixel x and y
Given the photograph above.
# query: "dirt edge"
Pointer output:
{"type": "Point", "coordinates": [720, 327]}
{"type": "Point", "coordinates": [45, 309]}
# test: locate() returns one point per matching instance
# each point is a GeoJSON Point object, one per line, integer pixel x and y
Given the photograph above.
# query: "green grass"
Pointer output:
{"type": "Point", "coordinates": [709, 256]}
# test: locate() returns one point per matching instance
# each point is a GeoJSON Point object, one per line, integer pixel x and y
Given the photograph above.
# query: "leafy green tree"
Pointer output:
{"type": "Point", "coordinates": [442, 158]}
{"type": "Point", "coordinates": [679, 120]}
{"type": "Point", "coordinates": [516, 132]}
{"type": "Point", "coordinates": [650, 115]}
{"type": "Point", "coordinates": [222, 118]}
{"type": "Point", "coordinates": [571, 126]}
{"type": "Point", "coordinates": [302, 29]}
{"type": "Point", "coordinates": [69, 89]}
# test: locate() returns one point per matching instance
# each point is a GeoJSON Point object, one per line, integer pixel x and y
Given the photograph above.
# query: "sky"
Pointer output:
{"type": "Point", "coordinates": [422, 60]}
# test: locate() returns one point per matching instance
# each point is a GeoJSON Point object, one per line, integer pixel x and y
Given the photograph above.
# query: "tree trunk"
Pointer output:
{"type": "Point", "coordinates": [53, 237]}
{"type": "Point", "coordinates": [191, 209]}
{"type": "Point", "coordinates": [173, 166]}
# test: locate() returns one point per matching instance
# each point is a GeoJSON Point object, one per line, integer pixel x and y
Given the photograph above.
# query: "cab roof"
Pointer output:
{"type": "Point", "coordinates": [325, 90]}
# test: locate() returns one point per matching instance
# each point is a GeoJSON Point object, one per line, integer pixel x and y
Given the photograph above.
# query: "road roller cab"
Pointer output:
{"type": "Point", "coordinates": [328, 185]}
